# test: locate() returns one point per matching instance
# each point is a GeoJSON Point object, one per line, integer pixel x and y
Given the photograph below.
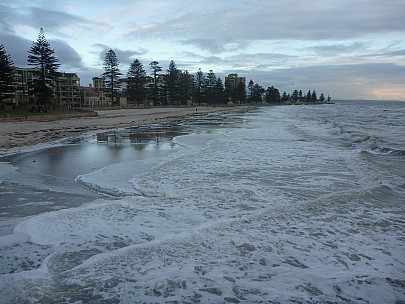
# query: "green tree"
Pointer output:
{"type": "Point", "coordinates": [154, 66]}
{"type": "Point", "coordinates": [251, 91]}
{"type": "Point", "coordinates": [199, 86]}
{"type": "Point", "coordinates": [285, 98]}
{"type": "Point", "coordinates": [7, 79]}
{"type": "Point", "coordinates": [272, 95]}
{"type": "Point", "coordinates": [136, 80]}
{"type": "Point", "coordinates": [112, 75]}
{"type": "Point", "coordinates": [296, 95]}
{"type": "Point", "coordinates": [210, 82]}
{"type": "Point", "coordinates": [309, 96]}
{"type": "Point", "coordinates": [322, 97]}
{"type": "Point", "coordinates": [219, 92]}
{"type": "Point", "coordinates": [42, 57]}
{"type": "Point", "coordinates": [313, 96]}
{"type": "Point", "coordinates": [172, 82]}
{"type": "Point", "coordinates": [240, 93]}
{"type": "Point", "coordinates": [257, 93]}
{"type": "Point", "coordinates": [186, 87]}
{"type": "Point", "coordinates": [235, 94]}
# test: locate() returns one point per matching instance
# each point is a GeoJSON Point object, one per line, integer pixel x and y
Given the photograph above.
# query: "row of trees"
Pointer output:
{"type": "Point", "coordinates": [177, 87]}
{"type": "Point", "coordinates": [169, 88]}
{"type": "Point", "coordinates": [173, 87]}
{"type": "Point", "coordinates": [257, 93]}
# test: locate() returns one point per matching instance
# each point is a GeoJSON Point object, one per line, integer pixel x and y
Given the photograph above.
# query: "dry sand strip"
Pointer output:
{"type": "Point", "coordinates": [17, 134]}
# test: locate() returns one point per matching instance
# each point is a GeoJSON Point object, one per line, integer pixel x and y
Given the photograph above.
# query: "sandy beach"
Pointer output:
{"type": "Point", "coordinates": [21, 133]}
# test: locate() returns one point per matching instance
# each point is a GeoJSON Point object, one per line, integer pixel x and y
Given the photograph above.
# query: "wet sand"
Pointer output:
{"type": "Point", "coordinates": [22, 133]}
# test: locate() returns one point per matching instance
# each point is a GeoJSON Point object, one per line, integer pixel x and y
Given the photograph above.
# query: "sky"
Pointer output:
{"type": "Point", "coordinates": [348, 49]}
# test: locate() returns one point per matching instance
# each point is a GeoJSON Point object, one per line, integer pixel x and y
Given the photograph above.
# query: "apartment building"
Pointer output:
{"type": "Point", "coordinates": [99, 87]}
{"type": "Point", "coordinates": [67, 89]}
{"type": "Point", "coordinates": [232, 81]}
{"type": "Point", "coordinates": [24, 78]}
{"type": "Point", "coordinates": [89, 97]}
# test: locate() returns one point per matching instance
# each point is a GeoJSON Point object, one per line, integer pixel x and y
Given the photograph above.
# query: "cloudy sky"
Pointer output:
{"type": "Point", "coordinates": [343, 48]}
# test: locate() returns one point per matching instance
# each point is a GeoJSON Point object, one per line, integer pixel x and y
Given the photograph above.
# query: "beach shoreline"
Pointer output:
{"type": "Point", "coordinates": [18, 134]}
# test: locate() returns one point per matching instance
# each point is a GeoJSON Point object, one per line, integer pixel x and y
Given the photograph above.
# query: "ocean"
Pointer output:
{"type": "Point", "coordinates": [281, 204]}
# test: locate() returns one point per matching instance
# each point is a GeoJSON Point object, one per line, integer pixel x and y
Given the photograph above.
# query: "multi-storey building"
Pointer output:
{"type": "Point", "coordinates": [89, 97]}
{"type": "Point", "coordinates": [98, 84]}
{"type": "Point", "coordinates": [67, 87]}
{"type": "Point", "coordinates": [96, 95]}
{"type": "Point", "coordinates": [236, 88]}
{"type": "Point", "coordinates": [232, 81]}
{"type": "Point", "coordinates": [99, 87]}
{"type": "Point", "coordinates": [24, 78]}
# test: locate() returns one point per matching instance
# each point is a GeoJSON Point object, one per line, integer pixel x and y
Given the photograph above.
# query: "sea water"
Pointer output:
{"type": "Point", "coordinates": [287, 204]}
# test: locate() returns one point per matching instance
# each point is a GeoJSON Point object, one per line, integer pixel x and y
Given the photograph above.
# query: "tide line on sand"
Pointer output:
{"type": "Point", "coordinates": [23, 133]}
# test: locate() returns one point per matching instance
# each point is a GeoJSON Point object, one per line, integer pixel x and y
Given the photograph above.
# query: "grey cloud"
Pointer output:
{"type": "Point", "coordinates": [340, 81]}
{"type": "Point", "coordinates": [214, 60]}
{"type": "Point", "coordinates": [6, 17]}
{"type": "Point", "coordinates": [50, 19]}
{"type": "Point", "coordinates": [69, 59]}
{"type": "Point", "coordinates": [67, 56]}
{"type": "Point", "coordinates": [283, 20]}
{"type": "Point", "coordinates": [217, 46]}
{"type": "Point", "coordinates": [314, 21]}
{"type": "Point", "coordinates": [40, 17]}
{"type": "Point", "coordinates": [219, 31]}
{"type": "Point", "coordinates": [338, 48]}
{"type": "Point", "coordinates": [125, 57]}
{"type": "Point", "coordinates": [86, 75]}
{"type": "Point", "coordinates": [257, 61]}
{"type": "Point", "coordinates": [397, 53]}
{"type": "Point", "coordinates": [17, 48]}
{"type": "Point", "coordinates": [261, 61]}
{"type": "Point", "coordinates": [191, 55]}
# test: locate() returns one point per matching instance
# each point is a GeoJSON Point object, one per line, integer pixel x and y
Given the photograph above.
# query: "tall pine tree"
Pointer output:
{"type": "Point", "coordinates": [313, 96]}
{"type": "Point", "coordinates": [154, 66]}
{"type": "Point", "coordinates": [172, 82]}
{"type": "Point", "coordinates": [199, 86]}
{"type": "Point", "coordinates": [42, 57]}
{"type": "Point", "coordinates": [112, 75]}
{"type": "Point", "coordinates": [7, 80]}
{"type": "Point", "coordinates": [186, 87]}
{"type": "Point", "coordinates": [219, 92]}
{"type": "Point", "coordinates": [136, 79]}
{"type": "Point", "coordinates": [240, 93]}
{"type": "Point", "coordinates": [272, 95]}
{"type": "Point", "coordinates": [251, 91]}
{"type": "Point", "coordinates": [210, 82]}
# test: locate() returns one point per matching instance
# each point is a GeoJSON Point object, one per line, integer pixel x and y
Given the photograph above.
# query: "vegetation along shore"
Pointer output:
{"type": "Point", "coordinates": [42, 87]}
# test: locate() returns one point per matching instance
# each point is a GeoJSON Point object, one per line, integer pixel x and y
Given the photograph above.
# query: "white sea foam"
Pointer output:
{"type": "Point", "coordinates": [115, 179]}
{"type": "Point", "coordinates": [275, 211]}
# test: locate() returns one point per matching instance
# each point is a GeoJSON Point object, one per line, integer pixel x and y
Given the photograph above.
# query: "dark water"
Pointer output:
{"type": "Point", "coordinates": [43, 180]}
